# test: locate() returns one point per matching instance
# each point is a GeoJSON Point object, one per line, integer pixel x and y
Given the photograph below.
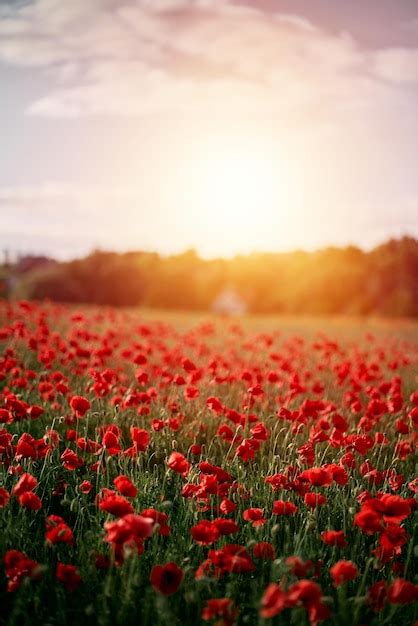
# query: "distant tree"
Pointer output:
{"type": "Point", "coordinates": [333, 280]}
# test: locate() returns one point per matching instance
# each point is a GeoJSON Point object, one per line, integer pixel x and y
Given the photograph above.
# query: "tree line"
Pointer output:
{"type": "Point", "coordinates": [348, 280]}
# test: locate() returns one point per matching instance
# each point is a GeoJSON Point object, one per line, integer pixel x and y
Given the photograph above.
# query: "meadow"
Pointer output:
{"type": "Point", "coordinates": [183, 469]}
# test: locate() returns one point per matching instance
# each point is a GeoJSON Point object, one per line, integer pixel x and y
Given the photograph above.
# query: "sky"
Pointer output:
{"type": "Point", "coordinates": [227, 126]}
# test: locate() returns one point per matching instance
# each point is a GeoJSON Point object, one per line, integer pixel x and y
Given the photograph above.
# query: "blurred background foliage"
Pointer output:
{"type": "Point", "coordinates": [349, 281]}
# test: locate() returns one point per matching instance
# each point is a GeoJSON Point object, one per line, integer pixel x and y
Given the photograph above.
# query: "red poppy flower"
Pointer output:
{"type": "Point", "coordinates": [166, 579]}
{"type": "Point", "coordinates": [5, 416]}
{"type": "Point", "coordinates": [178, 463]}
{"type": "Point", "coordinates": [111, 442]}
{"type": "Point", "coordinates": [402, 591]}
{"type": "Point", "coordinates": [298, 567]}
{"type": "Point", "coordinates": [68, 575]}
{"type": "Point", "coordinates": [188, 365]}
{"type": "Point", "coordinates": [57, 531]}
{"type": "Point", "coordinates": [394, 508]}
{"type": "Point", "coordinates": [214, 470]}
{"type": "Point", "coordinates": [205, 532]}
{"type": "Point", "coordinates": [4, 497]}
{"type": "Point", "coordinates": [317, 476]}
{"type": "Point", "coordinates": [343, 571]}
{"type": "Point", "coordinates": [18, 567]}
{"type": "Point", "coordinates": [232, 558]}
{"type": "Point", "coordinates": [264, 550]}
{"type": "Point", "coordinates": [30, 500]}
{"type": "Point", "coordinates": [314, 499]}
{"type": "Point", "coordinates": [160, 521]}
{"type": "Point", "coordinates": [368, 521]}
{"type": "Point", "coordinates": [27, 482]}
{"type": "Point", "coordinates": [141, 438]}
{"type": "Point", "coordinates": [281, 507]}
{"type": "Point", "coordinates": [79, 405]}
{"type": "Point", "coordinates": [70, 460]}
{"type": "Point", "coordinates": [305, 592]}
{"type": "Point", "coordinates": [215, 404]}
{"type": "Point", "coordinates": [227, 506]}
{"type": "Point", "coordinates": [226, 526]}
{"type": "Point", "coordinates": [273, 601]}
{"type": "Point", "coordinates": [129, 527]}
{"type": "Point", "coordinates": [255, 516]}
{"type": "Point", "coordinates": [220, 608]}
{"type": "Point", "coordinates": [191, 393]}
{"type": "Point", "coordinates": [334, 538]}
{"type": "Point", "coordinates": [85, 487]}
{"type": "Point", "coordinates": [125, 486]}
{"type": "Point", "coordinates": [116, 505]}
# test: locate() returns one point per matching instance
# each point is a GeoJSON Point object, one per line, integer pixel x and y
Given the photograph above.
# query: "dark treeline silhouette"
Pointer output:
{"type": "Point", "coordinates": [348, 280]}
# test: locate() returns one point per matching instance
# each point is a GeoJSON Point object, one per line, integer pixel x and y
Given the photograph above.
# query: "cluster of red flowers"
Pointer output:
{"type": "Point", "coordinates": [306, 593]}
{"type": "Point", "coordinates": [220, 453]}
{"type": "Point", "coordinates": [383, 515]}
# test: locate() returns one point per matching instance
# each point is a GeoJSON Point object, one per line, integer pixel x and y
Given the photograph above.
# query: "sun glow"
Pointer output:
{"type": "Point", "coordinates": [240, 191]}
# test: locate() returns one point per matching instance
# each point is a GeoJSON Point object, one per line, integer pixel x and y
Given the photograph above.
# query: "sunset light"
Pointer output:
{"type": "Point", "coordinates": [240, 190]}
{"type": "Point", "coordinates": [208, 312]}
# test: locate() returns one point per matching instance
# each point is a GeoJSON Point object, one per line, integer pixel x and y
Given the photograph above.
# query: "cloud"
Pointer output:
{"type": "Point", "coordinates": [55, 205]}
{"type": "Point", "coordinates": [66, 219]}
{"type": "Point", "coordinates": [195, 57]}
{"type": "Point", "coordinates": [183, 57]}
{"type": "Point", "coordinates": [399, 65]}
{"type": "Point", "coordinates": [49, 196]}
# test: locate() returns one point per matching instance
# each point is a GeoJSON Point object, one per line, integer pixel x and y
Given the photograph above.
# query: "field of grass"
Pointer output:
{"type": "Point", "coordinates": [175, 469]}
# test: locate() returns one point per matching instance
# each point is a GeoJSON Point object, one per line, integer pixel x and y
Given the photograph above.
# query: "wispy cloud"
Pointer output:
{"type": "Point", "coordinates": [134, 58]}
{"type": "Point", "coordinates": [65, 218]}
{"type": "Point", "coordinates": [399, 65]}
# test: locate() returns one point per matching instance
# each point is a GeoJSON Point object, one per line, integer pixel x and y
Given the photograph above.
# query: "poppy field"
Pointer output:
{"type": "Point", "coordinates": [191, 471]}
